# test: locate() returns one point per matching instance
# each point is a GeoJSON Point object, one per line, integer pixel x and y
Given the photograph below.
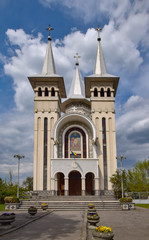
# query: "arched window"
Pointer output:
{"type": "Point", "coordinates": [46, 93]}
{"type": "Point", "coordinates": [52, 92]}
{"type": "Point", "coordinates": [104, 141]}
{"type": "Point", "coordinates": [75, 141]}
{"type": "Point", "coordinates": [45, 153]}
{"type": "Point", "coordinates": [95, 92]}
{"type": "Point", "coordinates": [108, 93]}
{"type": "Point", "coordinates": [75, 144]}
{"type": "Point", "coordinates": [102, 92]}
{"type": "Point", "coordinates": [39, 92]}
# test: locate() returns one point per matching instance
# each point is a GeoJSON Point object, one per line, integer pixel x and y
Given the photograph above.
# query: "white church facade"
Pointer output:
{"type": "Point", "coordinates": [82, 123]}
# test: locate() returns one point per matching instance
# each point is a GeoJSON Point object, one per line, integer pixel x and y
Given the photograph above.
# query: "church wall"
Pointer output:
{"type": "Point", "coordinates": [40, 114]}
{"type": "Point", "coordinates": [105, 109]}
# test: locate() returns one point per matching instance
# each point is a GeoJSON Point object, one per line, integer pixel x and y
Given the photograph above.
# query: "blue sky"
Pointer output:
{"type": "Point", "coordinates": [23, 41]}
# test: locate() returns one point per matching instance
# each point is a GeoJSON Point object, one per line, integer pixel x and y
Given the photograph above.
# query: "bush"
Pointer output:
{"type": "Point", "coordinates": [11, 200]}
{"type": "Point", "coordinates": [126, 199]}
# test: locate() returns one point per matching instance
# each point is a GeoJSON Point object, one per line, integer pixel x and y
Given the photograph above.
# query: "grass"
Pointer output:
{"type": "Point", "coordinates": [2, 207]}
{"type": "Point", "coordinates": [142, 205]}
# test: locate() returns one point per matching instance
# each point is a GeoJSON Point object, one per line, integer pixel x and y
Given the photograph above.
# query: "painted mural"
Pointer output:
{"type": "Point", "coordinates": [75, 142]}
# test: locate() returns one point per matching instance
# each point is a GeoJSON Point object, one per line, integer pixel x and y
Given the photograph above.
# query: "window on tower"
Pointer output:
{"type": "Point", "coordinates": [52, 92]}
{"type": "Point", "coordinates": [39, 92]}
{"type": "Point", "coordinates": [95, 92]}
{"type": "Point", "coordinates": [102, 92]}
{"type": "Point", "coordinates": [46, 92]}
{"type": "Point", "coordinates": [108, 93]}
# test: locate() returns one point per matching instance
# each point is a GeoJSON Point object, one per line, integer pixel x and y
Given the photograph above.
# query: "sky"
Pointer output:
{"type": "Point", "coordinates": [23, 41]}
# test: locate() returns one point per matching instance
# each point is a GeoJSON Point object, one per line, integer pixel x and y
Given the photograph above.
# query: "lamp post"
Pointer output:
{"type": "Point", "coordinates": [121, 158]}
{"type": "Point", "coordinates": [18, 157]}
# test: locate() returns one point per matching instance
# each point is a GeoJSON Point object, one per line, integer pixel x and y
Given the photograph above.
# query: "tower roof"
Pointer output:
{"type": "Point", "coordinates": [77, 86]}
{"type": "Point", "coordinates": [48, 65]}
{"type": "Point", "coordinates": [48, 73]}
{"type": "Point", "coordinates": [100, 70]}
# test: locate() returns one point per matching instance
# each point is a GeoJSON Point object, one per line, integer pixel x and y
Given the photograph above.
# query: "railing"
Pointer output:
{"type": "Point", "coordinates": [139, 195]}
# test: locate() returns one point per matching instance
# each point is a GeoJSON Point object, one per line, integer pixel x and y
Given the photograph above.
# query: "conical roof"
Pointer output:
{"type": "Point", "coordinates": [100, 70]}
{"type": "Point", "coordinates": [48, 65]}
{"type": "Point", "coordinates": [77, 86]}
{"type": "Point", "coordinates": [48, 73]}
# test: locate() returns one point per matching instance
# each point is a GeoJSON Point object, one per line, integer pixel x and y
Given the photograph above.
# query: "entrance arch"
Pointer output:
{"type": "Point", "coordinates": [60, 184]}
{"type": "Point", "coordinates": [89, 183]}
{"type": "Point", "coordinates": [75, 187]}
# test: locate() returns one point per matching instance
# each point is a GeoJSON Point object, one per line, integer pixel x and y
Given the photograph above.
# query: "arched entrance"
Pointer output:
{"type": "Point", "coordinates": [60, 184]}
{"type": "Point", "coordinates": [89, 183]}
{"type": "Point", "coordinates": [74, 183]}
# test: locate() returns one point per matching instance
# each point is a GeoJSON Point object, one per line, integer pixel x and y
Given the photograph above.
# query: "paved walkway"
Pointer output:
{"type": "Point", "coordinates": [69, 225]}
{"type": "Point", "coordinates": [54, 226]}
{"type": "Point", "coordinates": [127, 225]}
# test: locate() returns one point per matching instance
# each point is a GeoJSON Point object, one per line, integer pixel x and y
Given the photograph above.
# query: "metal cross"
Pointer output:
{"type": "Point", "coordinates": [98, 29]}
{"type": "Point", "coordinates": [49, 29]}
{"type": "Point", "coordinates": [77, 56]}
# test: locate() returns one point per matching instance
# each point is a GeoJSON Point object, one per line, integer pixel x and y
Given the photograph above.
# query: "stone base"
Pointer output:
{"type": "Point", "coordinates": [12, 206]}
{"type": "Point", "coordinates": [125, 206]}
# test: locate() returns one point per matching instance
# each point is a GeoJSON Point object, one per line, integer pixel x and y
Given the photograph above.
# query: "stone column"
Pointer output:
{"type": "Point", "coordinates": [52, 186]}
{"type": "Point", "coordinates": [83, 186]}
{"type": "Point", "coordinates": [56, 186]}
{"type": "Point", "coordinates": [97, 186]}
{"type": "Point", "coordinates": [66, 190]}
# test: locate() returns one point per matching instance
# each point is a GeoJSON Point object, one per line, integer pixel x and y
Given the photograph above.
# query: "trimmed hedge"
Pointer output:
{"type": "Point", "coordinates": [11, 199]}
{"type": "Point", "coordinates": [126, 199]}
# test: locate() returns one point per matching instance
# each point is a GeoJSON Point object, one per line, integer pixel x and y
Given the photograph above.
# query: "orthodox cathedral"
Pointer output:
{"type": "Point", "coordinates": [74, 139]}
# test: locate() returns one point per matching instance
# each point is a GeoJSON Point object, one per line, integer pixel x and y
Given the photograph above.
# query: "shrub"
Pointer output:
{"type": "Point", "coordinates": [11, 200]}
{"type": "Point", "coordinates": [126, 199]}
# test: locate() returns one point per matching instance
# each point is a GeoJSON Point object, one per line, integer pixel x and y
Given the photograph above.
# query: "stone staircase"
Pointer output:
{"type": "Point", "coordinates": [74, 203]}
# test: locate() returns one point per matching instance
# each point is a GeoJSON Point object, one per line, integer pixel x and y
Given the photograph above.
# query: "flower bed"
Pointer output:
{"type": "Point", "coordinates": [103, 232]}
{"type": "Point", "coordinates": [6, 219]}
{"type": "Point", "coordinates": [44, 206]}
{"type": "Point", "coordinates": [32, 210]}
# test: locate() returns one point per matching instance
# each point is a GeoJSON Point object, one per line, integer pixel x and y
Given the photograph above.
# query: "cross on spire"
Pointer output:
{"type": "Point", "coordinates": [77, 57]}
{"type": "Point", "coordinates": [49, 29]}
{"type": "Point", "coordinates": [98, 29]}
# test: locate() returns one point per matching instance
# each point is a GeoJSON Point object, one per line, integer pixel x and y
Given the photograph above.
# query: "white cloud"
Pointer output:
{"type": "Point", "coordinates": [125, 46]}
{"type": "Point", "coordinates": [16, 133]}
{"type": "Point", "coordinates": [133, 128]}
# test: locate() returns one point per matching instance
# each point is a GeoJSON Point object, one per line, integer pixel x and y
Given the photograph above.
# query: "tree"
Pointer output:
{"type": "Point", "coordinates": [139, 177]}
{"type": "Point", "coordinates": [28, 184]}
{"type": "Point", "coordinates": [136, 180]}
{"type": "Point", "coordinates": [116, 181]}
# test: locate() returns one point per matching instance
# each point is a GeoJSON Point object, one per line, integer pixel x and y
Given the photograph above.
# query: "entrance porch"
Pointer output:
{"type": "Point", "coordinates": [77, 177]}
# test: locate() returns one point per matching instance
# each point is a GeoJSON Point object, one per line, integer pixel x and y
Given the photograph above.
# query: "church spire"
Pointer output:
{"type": "Point", "coordinates": [100, 66]}
{"type": "Point", "coordinates": [49, 65]}
{"type": "Point", "coordinates": [77, 87]}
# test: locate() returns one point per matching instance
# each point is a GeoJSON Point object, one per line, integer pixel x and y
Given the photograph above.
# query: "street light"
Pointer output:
{"type": "Point", "coordinates": [18, 157]}
{"type": "Point", "coordinates": [121, 158]}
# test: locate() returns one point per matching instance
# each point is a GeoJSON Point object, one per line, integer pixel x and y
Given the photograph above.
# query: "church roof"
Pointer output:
{"type": "Point", "coordinates": [49, 65]}
{"type": "Point", "coordinates": [100, 65]}
{"type": "Point", "coordinates": [48, 72]}
{"type": "Point", "coordinates": [100, 70]}
{"type": "Point", "coordinates": [77, 86]}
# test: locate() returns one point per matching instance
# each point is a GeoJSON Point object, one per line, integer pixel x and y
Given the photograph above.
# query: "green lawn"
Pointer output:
{"type": "Point", "coordinates": [2, 207]}
{"type": "Point", "coordinates": [142, 205]}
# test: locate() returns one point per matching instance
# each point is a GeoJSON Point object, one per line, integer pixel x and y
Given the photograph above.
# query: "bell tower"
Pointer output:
{"type": "Point", "coordinates": [49, 88]}
{"type": "Point", "coordinates": [101, 89]}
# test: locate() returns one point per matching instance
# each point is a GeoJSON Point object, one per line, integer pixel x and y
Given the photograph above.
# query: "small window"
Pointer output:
{"type": "Point", "coordinates": [108, 93]}
{"type": "Point", "coordinates": [95, 92]}
{"type": "Point", "coordinates": [46, 92]}
{"type": "Point", "coordinates": [102, 92]}
{"type": "Point", "coordinates": [39, 92]}
{"type": "Point", "coordinates": [52, 92]}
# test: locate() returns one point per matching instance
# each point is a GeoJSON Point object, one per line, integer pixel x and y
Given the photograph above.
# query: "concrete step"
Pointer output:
{"type": "Point", "coordinates": [72, 205]}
